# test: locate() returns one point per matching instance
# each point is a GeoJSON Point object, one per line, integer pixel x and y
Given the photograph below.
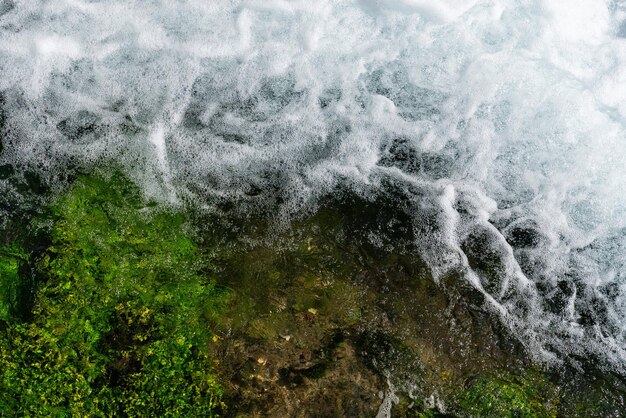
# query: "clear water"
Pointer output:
{"type": "Point", "coordinates": [501, 122]}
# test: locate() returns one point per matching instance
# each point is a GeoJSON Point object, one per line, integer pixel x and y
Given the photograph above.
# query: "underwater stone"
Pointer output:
{"type": "Point", "coordinates": [78, 125]}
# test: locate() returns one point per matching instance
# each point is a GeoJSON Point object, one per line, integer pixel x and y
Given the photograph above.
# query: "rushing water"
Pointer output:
{"type": "Point", "coordinates": [500, 123]}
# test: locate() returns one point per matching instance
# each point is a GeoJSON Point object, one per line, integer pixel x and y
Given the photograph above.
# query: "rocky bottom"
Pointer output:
{"type": "Point", "coordinates": [113, 307]}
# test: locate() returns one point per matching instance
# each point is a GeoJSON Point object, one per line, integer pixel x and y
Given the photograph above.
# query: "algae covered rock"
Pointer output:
{"type": "Point", "coordinates": [122, 321]}
{"type": "Point", "coordinates": [528, 394]}
{"type": "Point", "coordinates": [125, 318]}
{"type": "Point", "coordinates": [12, 257]}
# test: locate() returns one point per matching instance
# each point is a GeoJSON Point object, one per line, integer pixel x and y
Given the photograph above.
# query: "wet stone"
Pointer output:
{"type": "Point", "coordinates": [80, 124]}
{"type": "Point", "coordinates": [336, 319]}
{"type": "Point", "coordinates": [524, 237]}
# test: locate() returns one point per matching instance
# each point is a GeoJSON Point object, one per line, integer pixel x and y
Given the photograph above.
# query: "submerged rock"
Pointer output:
{"type": "Point", "coordinates": [317, 319]}
{"type": "Point", "coordinates": [360, 320]}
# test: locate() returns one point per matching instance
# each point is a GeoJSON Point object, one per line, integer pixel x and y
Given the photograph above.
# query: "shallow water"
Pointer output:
{"type": "Point", "coordinates": [496, 127]}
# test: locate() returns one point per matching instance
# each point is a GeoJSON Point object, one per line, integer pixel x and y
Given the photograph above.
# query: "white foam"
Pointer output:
{"type": "Point", "coordinates": [440, 11]}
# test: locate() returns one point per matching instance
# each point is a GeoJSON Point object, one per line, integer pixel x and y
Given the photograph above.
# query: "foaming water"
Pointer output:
{"type": "Point", "coordinates": [502, 122]}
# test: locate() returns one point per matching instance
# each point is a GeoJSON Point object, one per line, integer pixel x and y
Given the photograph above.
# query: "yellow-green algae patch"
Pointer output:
{"type": "Point", "coordinates": [526, 394]}
{"type": "Point", "coordinates": [123, 319]}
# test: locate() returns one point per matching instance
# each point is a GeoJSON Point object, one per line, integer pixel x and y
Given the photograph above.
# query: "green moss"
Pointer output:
{"type": "Point", "coordinates": [122, 323]}
{"type": "Point", "coordinates": [11, 258]}
{"type": "Point", "coordinates": [508, 395]}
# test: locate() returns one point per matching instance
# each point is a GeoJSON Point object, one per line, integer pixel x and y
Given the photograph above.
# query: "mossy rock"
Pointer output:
{"type": "Point", "coordinates": [528, 394]}
{"type": "Point", "coordinates": [12, 258]}
{"type": "Point", "coordinates": [123, 321]}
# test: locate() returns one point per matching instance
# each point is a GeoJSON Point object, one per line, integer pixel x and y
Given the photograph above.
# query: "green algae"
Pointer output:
{"type": "Point", "coordinates": [527, 394]}
{"type": "Point", "coordinates": [12, 257]}
{"type": "Point", "coordinates": [122, 322]}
